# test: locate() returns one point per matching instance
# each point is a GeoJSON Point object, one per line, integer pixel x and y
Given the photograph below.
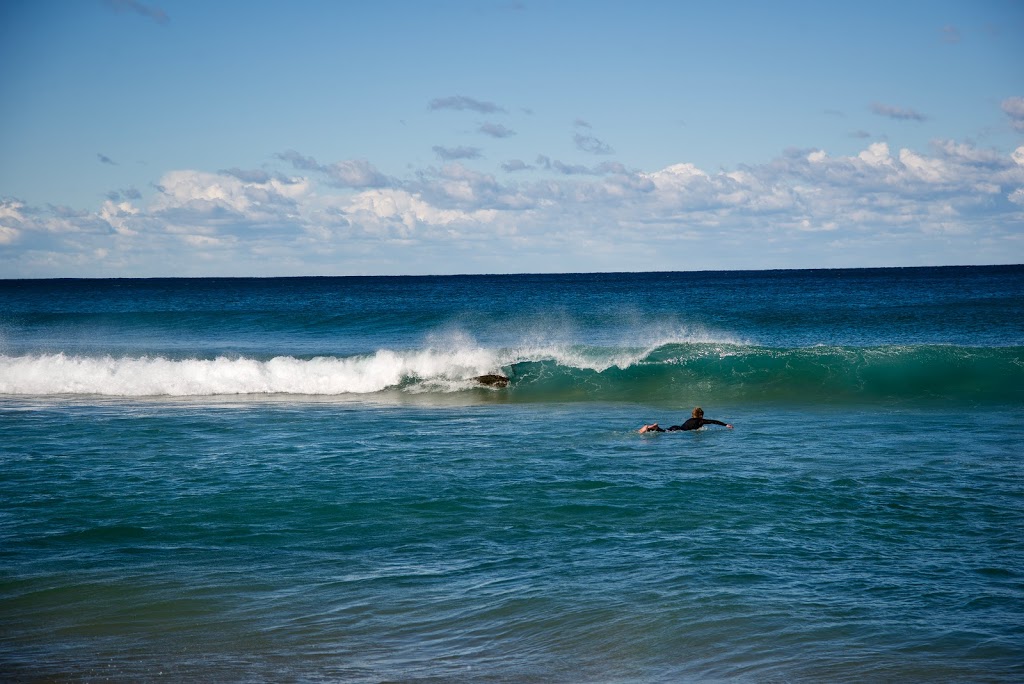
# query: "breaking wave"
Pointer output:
{"type": "Point", "coordinates": [675, 371]}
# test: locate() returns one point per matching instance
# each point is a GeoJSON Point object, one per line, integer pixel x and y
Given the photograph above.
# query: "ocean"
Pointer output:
{"type": "Point", "coordinates": [300, 479]}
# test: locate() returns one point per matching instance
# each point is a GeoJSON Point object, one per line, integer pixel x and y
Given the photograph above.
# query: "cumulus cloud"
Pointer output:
{"type": "Point", "coordinates": [1013, 107]}
{"type": "Point", "coordinates": [120, 217]}
{"type": "Point", "coordinates": [871, 200]}
{"type": "Point", "coordinates": [876, 155]}
{"type": "Point", "coordinates": [8, 234]}
{"type": "Point", "coordinates": [21, 222]}
{"type": "Point", "coordinates": [965, 153]}
{"type": "Point", "coordinates": [1018, 156]}
{"type": "Point", "coordinates": [455, 186]}
{"type": "Point", "coordinates": [399, 212]}
{"type": "Point", "coordinates": [898, 113]}
{"type": "Point", "coordinates": [10, 221]}
{"type": "Point", "coordinates": [462, 102]}
{"type": "Point", "coordinates": [208, 199]}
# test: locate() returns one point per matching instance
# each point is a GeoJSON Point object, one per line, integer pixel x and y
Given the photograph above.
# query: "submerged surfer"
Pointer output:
{"type": "Point", "coordinates": [697, 420]}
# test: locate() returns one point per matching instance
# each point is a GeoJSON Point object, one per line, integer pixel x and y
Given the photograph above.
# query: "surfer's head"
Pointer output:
{"type": "Point", "coordinates": [698, 412]}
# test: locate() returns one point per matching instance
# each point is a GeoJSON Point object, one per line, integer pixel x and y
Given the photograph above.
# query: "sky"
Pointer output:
{"type": "Point", "coordinates": [145, 138]}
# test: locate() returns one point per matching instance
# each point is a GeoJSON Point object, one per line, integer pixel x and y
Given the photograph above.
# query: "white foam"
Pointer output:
{"type": "Point", "coordinates": [448, 364]}
{"type": "Point", "coordinates": [58, 374]}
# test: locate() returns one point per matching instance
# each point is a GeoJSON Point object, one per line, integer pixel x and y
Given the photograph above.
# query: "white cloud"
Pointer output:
{"type": "Point", "coordinates": [356, 173]}
{"type": "Point", "coordinates": [1018, 156]}
{"type": "Point", "coordinates": [877, 155]}
{"type": "Point", "coordinates": [401, 211]}
{"type": "Point", "coordinates": [209, 194]}
{"type": "Point", "coordinates": [120, 216]}
{"type": "Point", "coordinates": [875, 197]}
{"type": "Point", "coordinates": [10, 216]}
{"type": "Point", "coordinates": [1014, 108]}
{"type": "Point", "coordinates": [965, 153]}
{"type": "Point", "coordinates": [676, 176]}
{"type": "Point", "coordinates": [191, 188]}
{"type": "Point", "coordinates": [926, 169]}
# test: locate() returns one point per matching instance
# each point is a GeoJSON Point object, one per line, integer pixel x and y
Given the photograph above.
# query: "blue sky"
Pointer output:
{"type": "Point", "coordinates": [165, 137]}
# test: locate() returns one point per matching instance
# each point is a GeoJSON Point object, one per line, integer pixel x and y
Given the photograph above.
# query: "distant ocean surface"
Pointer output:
{"type": "Point", "coordinates": [300, 479]}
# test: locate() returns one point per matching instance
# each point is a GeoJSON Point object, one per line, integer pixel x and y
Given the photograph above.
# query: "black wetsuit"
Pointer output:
{"type": "Point", "coordinates": [694, 423]}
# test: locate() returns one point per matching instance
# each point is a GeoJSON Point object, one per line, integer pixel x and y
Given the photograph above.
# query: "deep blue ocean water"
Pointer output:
{"type": "Point", "coordinates": [300, 480]}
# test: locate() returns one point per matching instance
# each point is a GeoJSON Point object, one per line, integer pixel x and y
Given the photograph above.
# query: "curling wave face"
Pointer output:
{"type": "Point", "coordinates": [709, 372]}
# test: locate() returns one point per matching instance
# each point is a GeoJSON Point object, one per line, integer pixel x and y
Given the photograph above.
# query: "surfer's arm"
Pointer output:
{"type": "Point", "coordinates": [695, 423]}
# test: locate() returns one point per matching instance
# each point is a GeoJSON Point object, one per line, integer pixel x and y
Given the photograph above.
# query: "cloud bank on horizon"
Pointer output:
{"type": "Point", "coordinates": [463, 165]}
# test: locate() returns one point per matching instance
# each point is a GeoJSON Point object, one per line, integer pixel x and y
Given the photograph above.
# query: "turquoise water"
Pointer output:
{"type": "Point", "coordinates": [298, 480]}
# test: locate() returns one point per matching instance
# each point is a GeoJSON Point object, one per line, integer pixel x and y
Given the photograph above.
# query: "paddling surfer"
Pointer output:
{"type": "Point", "coordinates": [696, 420]}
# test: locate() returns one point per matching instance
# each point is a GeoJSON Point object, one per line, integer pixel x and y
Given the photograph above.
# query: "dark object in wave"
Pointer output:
{"type": "Point", "coordinates": [492, 380]}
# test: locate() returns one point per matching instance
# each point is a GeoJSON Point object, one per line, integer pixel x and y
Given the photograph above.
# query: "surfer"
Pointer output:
{"type": "Point", "coordinates": [696, 420]}
{"type": "Point", "coordinates": [492, 380]}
